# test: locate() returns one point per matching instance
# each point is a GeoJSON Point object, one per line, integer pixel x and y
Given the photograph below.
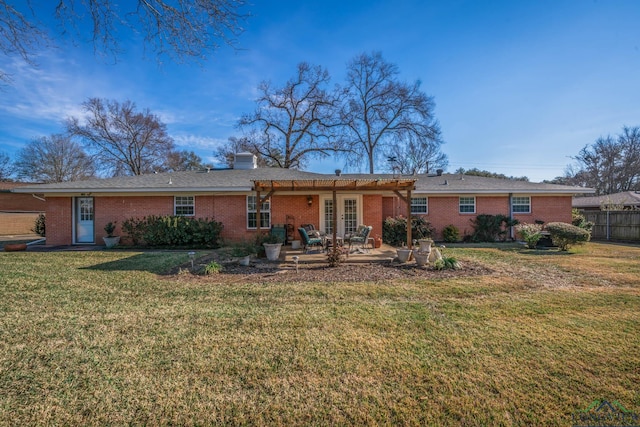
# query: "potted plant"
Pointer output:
{"type": "Point", "coordinates": [110, 240]}
{"type": "Point", "coordinates": [272, 245]}
{"type": "Point", "coordinates": [243, 252]}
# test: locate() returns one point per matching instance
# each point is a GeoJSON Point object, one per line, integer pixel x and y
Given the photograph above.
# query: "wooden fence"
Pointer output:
{"type": "Point", "coordinates": [614, 225]}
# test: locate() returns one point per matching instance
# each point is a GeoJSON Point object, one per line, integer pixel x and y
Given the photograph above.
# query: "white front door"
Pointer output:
{"type": "Point", "coordinates": [349, 214]}
{"type": "Point", "coordinates": [84, 220]}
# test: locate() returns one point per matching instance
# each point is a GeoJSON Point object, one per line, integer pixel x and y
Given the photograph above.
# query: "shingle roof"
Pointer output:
{"type": "Point", "coordinates": [627, 198]}
{"type": "Point", "coordinates": [229, 180]}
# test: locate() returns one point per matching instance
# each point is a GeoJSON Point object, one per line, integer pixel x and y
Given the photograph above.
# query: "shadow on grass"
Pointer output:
{"type": "Point", "coordinates": [152, 262]}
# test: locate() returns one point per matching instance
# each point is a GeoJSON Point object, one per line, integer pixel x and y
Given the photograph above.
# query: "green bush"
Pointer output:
{"type": "Point", "coordinates": [173, 231]}
{"type": "Point", "coordinates": [212, 268]}
{"type": "Point", "coordinates": [491, 228]}
{"type": "Point", "coordinates": [394, 230]}
{"type": "Point", "coordinates": [563, 235]}
{"type": "Point", "coordinates": [530, 233]}
{"type": "Point", "coordinates": [579, 220]}
{"type": "Point", "coordinates": [451, 234]}
{"type": "Point", "coordinates": [446, 263]}
{"type": "Point", "coordinates": [39, 226]}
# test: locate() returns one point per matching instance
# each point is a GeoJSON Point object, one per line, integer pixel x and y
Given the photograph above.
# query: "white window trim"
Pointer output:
{"type": "Point", "coordinates": [426, 205]}
{"type": "Point", "coordinates": [175, 205]}
{"type": "Point", "coordinates": [460, 204]}
{"type": "Point", "coordinates": [513, 204]}
{"type": "Point", "coordinates": [262, 211]}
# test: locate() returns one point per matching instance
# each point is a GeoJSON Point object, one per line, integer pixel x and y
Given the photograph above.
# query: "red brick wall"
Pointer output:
{"type": "Point", "coordinates": [443, 211]}
{"type": "Point", "coordinates": [231, 211]}
{"type": "Point", "coordinates": [59, 219]}
{"type": "Point", "coordinates": [372, 213]}
{"type": "Point", "coordinates": [16, 202]}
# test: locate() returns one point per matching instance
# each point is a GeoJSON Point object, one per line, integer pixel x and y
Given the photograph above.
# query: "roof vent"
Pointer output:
{"type": "Point", "coordinates": [446, 182]}
{"type": "Point", "coordinates": [338, 172]}
{"type": "Point", "coordinates": [439, 172]}
{"type": "Point", "coordinates": [245, 161]}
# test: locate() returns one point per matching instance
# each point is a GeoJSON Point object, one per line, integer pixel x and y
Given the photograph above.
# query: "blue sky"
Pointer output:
{"type": "Point", "coordinates": [519, 86]}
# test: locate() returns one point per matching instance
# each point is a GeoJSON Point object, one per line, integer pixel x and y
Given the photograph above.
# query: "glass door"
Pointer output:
{"type": "Point", "coordinates": [84, 220]}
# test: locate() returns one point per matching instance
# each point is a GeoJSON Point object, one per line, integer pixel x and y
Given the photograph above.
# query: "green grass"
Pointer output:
{"type": "Point", "coordinates": [95, 338]}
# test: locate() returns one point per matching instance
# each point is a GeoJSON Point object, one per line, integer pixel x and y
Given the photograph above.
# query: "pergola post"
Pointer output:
{"type": "Point", "coordinates": [409, 242]}
{"type": "Point", "coordinates": [334, 220]}
{"type": "Point", "coordinates": [258, 206]}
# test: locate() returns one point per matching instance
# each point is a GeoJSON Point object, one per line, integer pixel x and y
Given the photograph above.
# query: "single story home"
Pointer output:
{"type": "Point", "coordinates": [18, 212]}
{"type": "Point", "coordinates": [626, 200]}
{"type": "Point", "coordinates": [77, 211]}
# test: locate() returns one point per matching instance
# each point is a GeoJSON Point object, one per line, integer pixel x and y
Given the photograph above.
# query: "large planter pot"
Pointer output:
{"type": "Point", "coordinates": [425, 245]}
{"type": "Point", "coordinates": [422, 258]}
{"type": "Point", "coordinates": [110, 242]}
{"type": "Point", "coordinates": [272, 250]}
{"type": "Point", "coordinates": [15, 247]}
{"type": "Point", "coordinates": [403, 254]}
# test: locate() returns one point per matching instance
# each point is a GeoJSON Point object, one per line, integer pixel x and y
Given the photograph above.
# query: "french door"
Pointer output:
{"type": "Point", "coordinates": [349, 214]}
{"type": "Point", "coordinates": [84, 220]}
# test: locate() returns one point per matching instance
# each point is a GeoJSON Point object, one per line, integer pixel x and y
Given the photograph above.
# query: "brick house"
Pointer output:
{"type": "Point", "coordinates": [18, 212]}
{"type": "Point", "coordinates": [77, 211]}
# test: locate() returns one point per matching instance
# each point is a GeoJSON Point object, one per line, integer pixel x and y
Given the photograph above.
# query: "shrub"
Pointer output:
{"type": "Point", "coordinates": [451, 234]}
{"type": "Point", "coordinates": [173, 231]}
{"type": "Point", "coordinates": [579, 220]}
{"type": "Point", "coordinates": [394, 230]}
{"type": "Point", "coordinates": [446, 263]}
{"type": "Point", "coordinates": [39, 226]}
{"type": "Point", "coordinates": [563, 235]}
{"type": "Point", "coordinates": [530, 233]}
{"type": "Point", "coordinates": [212, 268]}
{"type": "Point", "coordinates": [490, 228]}
{"type": "Point", "coordinates": [335, 256]}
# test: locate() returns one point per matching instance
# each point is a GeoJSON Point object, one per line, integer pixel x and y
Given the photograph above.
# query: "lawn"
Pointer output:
{"type": "Point", "coordinates": [106, 337]}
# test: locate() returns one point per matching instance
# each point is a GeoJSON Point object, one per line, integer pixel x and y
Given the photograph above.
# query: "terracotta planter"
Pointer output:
{"type": "Point", "coordinates": [15, 247]}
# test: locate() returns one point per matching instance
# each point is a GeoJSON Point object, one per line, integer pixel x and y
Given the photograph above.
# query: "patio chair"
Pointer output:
{"type": "Point", "coordinates": [360, 239]}
{"type": "Point", "coordinates": [308, 242]}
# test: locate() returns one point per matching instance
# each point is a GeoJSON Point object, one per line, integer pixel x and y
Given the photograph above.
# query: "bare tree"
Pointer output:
{"type": "Point", "coordinates": [379, 110]}
{"type": "Point", "coordinates": [6, 167]}
{"type": "Point", "coordinates": [55, 158]}
{"type": "Point", "coordinates": [610, 165]}
{"type": "Point", "coordinates": [226, 154]}
{"type": "Point", "coordinates": [416, 155]}
{"type": "Point", "coordinates": [123, 141]}
{"type": "Point", "coordinates": [184, 161]}
{"type": "Point", "coordinates": [295, 121]}
{"type": "Point", "coordinates": [18, 36]}
{"type": "Point", "coordinates": [178, 29]}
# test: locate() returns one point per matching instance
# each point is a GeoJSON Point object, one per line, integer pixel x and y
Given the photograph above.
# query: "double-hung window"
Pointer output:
{"type": "Point", "coordinates": [184, 205]}
{"type": "Point", "coordinates": [467, 205]}
{"type": "Point", "coordinates": [521, 204]}
{"type": "Point", "coordinates": [419, 205]}
{"type": "Point", "coordinates": [265, 213]}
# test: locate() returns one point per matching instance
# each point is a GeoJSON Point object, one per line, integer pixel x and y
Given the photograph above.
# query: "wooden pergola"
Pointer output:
{"type": "Point", "coordinates": [394, 185]}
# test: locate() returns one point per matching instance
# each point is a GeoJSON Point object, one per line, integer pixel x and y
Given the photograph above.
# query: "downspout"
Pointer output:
{"type": "Point", "coordinates": [42, 199]}
{"type": "Point", "coordinates": [511, 235]}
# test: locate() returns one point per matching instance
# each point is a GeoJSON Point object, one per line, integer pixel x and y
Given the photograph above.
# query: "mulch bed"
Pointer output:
{"type": "Point", "coordinates": [267, 272]}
